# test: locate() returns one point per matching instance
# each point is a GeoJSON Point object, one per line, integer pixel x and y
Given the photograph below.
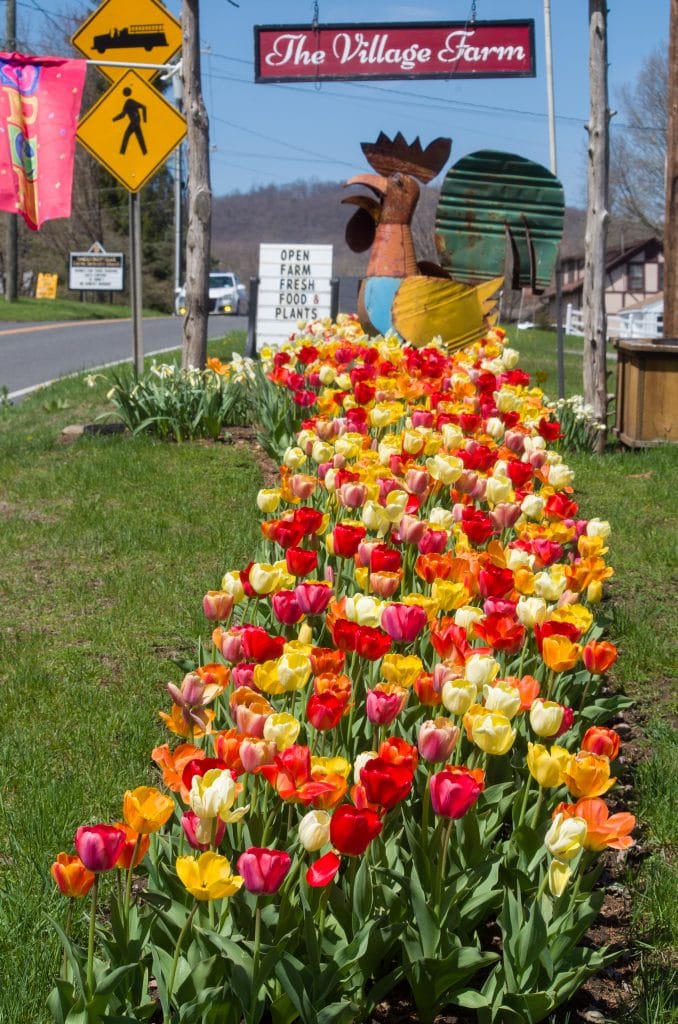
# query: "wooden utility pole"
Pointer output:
{"type": "Point", "coordinates": [671, 222]}
{"type": "Point", "coordinates": [12, 235]}
{"type": "Point", "coordinates": [598, 127]}
{"type": "Point", "coordinates": [199, 220]}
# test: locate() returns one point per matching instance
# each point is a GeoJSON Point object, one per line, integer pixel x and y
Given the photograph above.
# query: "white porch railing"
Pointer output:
{"type": "Point", "coordinates": [637, 324]}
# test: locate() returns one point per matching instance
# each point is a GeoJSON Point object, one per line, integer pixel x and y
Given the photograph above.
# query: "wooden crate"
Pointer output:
{"type": "Point", "coordinates": [647, 391]}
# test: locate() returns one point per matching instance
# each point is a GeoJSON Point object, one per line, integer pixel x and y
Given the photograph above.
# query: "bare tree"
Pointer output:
{"type": "Point", "coordinates": [638, 147]}
{"type": "Point", "coordinates": [597, 216]}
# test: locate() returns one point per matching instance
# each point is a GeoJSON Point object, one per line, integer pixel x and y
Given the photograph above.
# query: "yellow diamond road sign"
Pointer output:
{"type": "Point", "coordinates": [131, 130]}
{"type": "Point", "coordinates": [130, 31]}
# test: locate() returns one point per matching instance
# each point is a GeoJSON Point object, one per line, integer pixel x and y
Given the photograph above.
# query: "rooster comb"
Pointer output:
{"type": "Point", "coordinates": [388, 156]}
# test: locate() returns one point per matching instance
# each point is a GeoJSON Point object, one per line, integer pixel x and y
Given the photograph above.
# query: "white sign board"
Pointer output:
{"type": "Point", "coordinates": [294, 284]}
{"type": "Point", "coordinates": [96, 271]}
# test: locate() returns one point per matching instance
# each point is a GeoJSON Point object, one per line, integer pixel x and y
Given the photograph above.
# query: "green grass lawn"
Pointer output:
{"type": "Point", "coordinates": [29, 310]}
{"type": "Point", "coordinates": [107, 547]}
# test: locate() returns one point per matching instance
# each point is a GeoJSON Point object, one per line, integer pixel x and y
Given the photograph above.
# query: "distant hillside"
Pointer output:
{"type": "Point", "coordinates": [313, 212]}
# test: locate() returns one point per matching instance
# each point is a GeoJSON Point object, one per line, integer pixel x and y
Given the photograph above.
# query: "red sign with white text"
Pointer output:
{"type": "Point", "coordinates": [480, 49]}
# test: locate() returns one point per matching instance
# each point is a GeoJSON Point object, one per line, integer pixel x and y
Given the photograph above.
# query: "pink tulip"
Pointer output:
{"type": "Point", "coordinates": [263, 870]}
{"type": "Point", "coordinates": [255, 752]}
{"type": "Point", "coordinates": [403, 622]}
{"type": "Point", "coordinates": [99, 846]}
{"type": "Point", "coordinates": [437, 739]}
{"type": "Point", "coordinates": [384, 706]}
{"type": "Point", "coordinates": [198, 831]}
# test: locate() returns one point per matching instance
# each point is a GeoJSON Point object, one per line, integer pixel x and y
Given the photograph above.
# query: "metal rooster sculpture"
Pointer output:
{"type": "Point", "coordinates": [488, 200]}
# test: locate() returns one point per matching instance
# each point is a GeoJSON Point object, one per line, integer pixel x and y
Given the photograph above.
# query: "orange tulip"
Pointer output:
{"type": "Point", "coordinates": [125, 856]}
{"type": "Point", "coordinates": [71, 875]}
{"type": "Point", "coordinates": [173, 763]}
{"type": "Point", "coordinates": [598, 656]}
{"type": "Point", "coordinates": [145, 809]}
{"type": "Point", "coordinates": [587, 775]}
{"type": "Point", "coordinates": [176, 723]}
{"type": "Point", "coordinates": [602, 829]}
{"type": "Point", "coordinates": [559, 653]}
{"type": "Point", "coordinates": [601, 741]}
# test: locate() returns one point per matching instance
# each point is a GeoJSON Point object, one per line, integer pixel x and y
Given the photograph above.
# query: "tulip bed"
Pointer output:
{"type": "Point", "coordinates": [388, 767]}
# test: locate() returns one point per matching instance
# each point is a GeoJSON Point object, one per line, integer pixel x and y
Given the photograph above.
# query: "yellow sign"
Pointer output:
{"type": "Point", "coordinates": [131, 130]}
{"type": "Point", "coordinates": [130, 31]}
{"type": "Point", "coordinates": [46, 288]}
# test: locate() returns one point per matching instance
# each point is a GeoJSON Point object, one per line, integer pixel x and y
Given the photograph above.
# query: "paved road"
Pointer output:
{"type": "Point", "coordinates": [32, 354]}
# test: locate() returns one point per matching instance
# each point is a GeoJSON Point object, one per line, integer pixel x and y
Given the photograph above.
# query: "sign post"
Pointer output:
{"type": "Point", "coordinates": [132, 129]}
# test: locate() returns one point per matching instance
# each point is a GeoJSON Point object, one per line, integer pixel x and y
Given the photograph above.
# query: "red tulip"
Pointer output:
{"type": "Point", "coordinates": [385, 559]}
{"type": "Point", "coordinates": [284, 532]}
{"type": "Point", "coordinates": [290, 775]}
{"type": "Point", "coordinates": [477, 525]}
{"type": "Point", "coordinates": [309, 519]}
{"type": "Point", "coordinates": [324, 710]}
{"type": "Point", "coordinates": [371, 643]}
{"type": "Point", "coordinates": [346, 538]}
{"type": "Point", "coordinates": [494, 581]}
{"type": "Point", "coordinates": [501, 632]}
{"type": "Point", "coordinates": [323, 870]}
{"type": "Point", "coordinates": [263, 870]}
{"type": "Point", "coordinates": [352, 830]}
{"type": "Point", "coordinates": [258, 645]}
{"type": "Point", "coordinates": [286, 607]}
{"type": "Point", "coordinates": [99, 846]}
{"type": "Point", "coordinates": [385, 784]}
{"type": "Point", "coordinates": [453, 793]}
{"type": "Point", "coordinates": [300, 562]}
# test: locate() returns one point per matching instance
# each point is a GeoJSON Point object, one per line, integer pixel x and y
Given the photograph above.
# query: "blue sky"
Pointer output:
{"type": "Point", "coordinates": [276, 133]}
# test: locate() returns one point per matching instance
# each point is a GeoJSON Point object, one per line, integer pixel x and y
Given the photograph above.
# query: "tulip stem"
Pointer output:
{"type": "Point", "coordinates": [526, 792]}
{"type": "Point", "coordinates": [542, 888]}
{"type": "Point", "coordinates": [441, 865]}
{"type": "Point", "coordinates": [128, 886]}
{"type": "Point", "coordinates": [425, 808]}
{"type": "Point", "coordinates": [90, 944]}
{"type": "Point", "coordinates": [175, 961]}
{"type": "Point", "coordinates": [537, 808]}
{"type": "Point", "coordinates": [67, 929]}
{"type": "Point", "coordinates": [255, 960]}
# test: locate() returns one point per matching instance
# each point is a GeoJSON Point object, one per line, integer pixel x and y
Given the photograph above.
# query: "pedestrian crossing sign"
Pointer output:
{"type": "Point", "coordinates": [131, 130]}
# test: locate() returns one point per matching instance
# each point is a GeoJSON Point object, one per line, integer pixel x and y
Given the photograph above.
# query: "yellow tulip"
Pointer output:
{"type": "Point", "coordinates": [283, 729]}
{"type": "Point", "coordinates": [208, 877]}
{"type": "Point", "coordinates": [546, 766]}
{"type": "Point", "coordinates": [264, 578]}
{"type": "Point", "coordinates": [401, 669]}
{"type": "Point", "coordinates": [449, 595]}
{"type": "Point", "coordinates": [268, 499]}
{"type": "Point", "coordinates": [294, 670]}
{"type": "Point", "coordinates": [559, 876]}
{"type": "Point", "coordinates": [492, 732]}
{"type": "Point", "coordinates": [145, 809]}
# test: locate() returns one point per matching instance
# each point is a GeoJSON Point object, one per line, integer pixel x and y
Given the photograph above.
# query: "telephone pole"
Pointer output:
{"type": "Point", "coordinates": [671, 222]}
{"type": "Point", "coordinates": [12, 234]}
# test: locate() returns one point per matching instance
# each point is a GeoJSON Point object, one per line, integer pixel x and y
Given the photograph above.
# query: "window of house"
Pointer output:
{"type": "Point", "coordinates": [636, 277]}
{"type": "Point", "coordinates": [660, 277]}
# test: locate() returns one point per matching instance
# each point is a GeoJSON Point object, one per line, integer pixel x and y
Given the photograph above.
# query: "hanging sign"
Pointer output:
{"type": "Point", "coordinates": [294, 284]}
{"type": "Point", "coordinates": [131, 130]}
{"type": "Point", "coordinates": [129, 31]}
{"type": "Point", "coordinates": [464, 49]}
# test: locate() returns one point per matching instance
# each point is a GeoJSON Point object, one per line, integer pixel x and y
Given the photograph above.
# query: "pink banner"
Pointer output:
{"type": "Point", "coordinates": [39, 106]}
{"type": "Point", "coordinates": [479, 49]}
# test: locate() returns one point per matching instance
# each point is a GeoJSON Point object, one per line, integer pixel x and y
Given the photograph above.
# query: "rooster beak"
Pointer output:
{"type": "Point", "coordinates": [375, 182]}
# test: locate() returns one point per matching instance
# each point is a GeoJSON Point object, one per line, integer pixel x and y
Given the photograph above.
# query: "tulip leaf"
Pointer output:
{"type": "Point", "coordinates": [471, 999]}
{"type": "Point", "coordinates": [111, 978]}
{"type": "Point", "coordinates": [72, 955]}
{"type": "Point", "coordinates": [427, 926]}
